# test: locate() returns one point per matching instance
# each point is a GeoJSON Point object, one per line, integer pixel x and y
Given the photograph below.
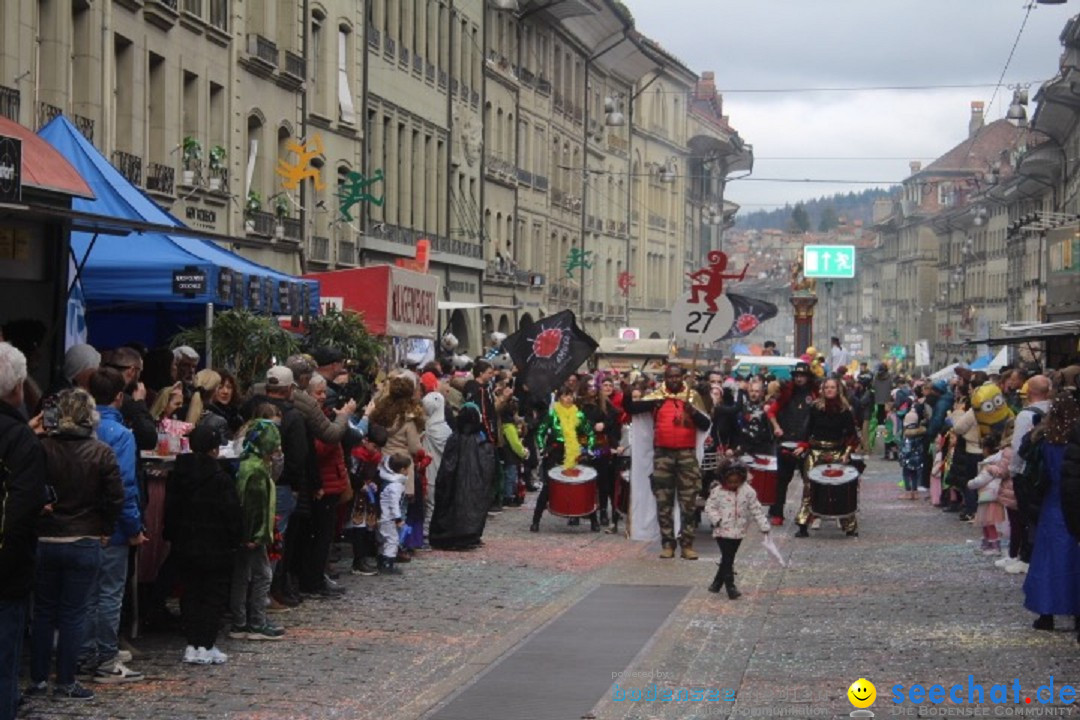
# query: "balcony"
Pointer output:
{"type": "Point", "coordinates": [657, 221]}
{"type": "Point", "coordinates": [503, 169]}
{"type": "Point", "coordinates": [293, 229]}
{"type": "Point", "coordinates": [46, 113]}
{"type": "Point", "coordinates": [442, 79]}
{"type": "Point", "coordinates": [320, 249]}
{"type": "Point", "coordinates": [524, 176]}
{"type": "Point", "coordinates": [403, 56]}
{"type": "Point", "coordinates": [130, 166]}
{"type": "Point", "coordinates": [295, 65]}
{"type": "Point", "coordinates": [455, 246]}
{"type": "Point", "coordinates": [429, 73]}
{"type": "Point", "coordinates": [540, 182]}
{"type": "Point", "coordinates": [543, 86]}
{"type": "Point", "coordinates": [527, 77]}
{"type": "Point", "coordinates": [260, 223]}
{"type": "Point", "coordinates": [162, 13]}
{"type": "Point", "coordinates": [9, 103]}
{"type": "Point", "coordinates": [557, 100]}
{"type": "Point", "coordinates": [160, 178]}
{"type": "Point", "coordinates": [263, 49]}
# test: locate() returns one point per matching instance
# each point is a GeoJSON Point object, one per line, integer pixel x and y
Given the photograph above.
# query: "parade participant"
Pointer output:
{"type": "Point", "coordinates": [597, 406]}
{"type": "Point", "coordinates": [788, 413]}
{"type": "Point", "coordinates": [732, 504]}
{"type": "Point", "coordinates": [831, 435]}
{"type": "Point", "coordinates": [677, 417]}
{"type": "Point", "coordinates": [838, 356]}
{"type": "Point", "coordinates": [463, 488]}
{"type": "Point", "coordinates": [562, 437]}
{"type": "Point", "coordinates": [754, 433]}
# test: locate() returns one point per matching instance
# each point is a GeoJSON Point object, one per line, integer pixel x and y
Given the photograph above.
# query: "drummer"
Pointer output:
{"type": "Point", "coordinates": [831, 436]}
{"type": "Point", "coordinates": [560, 446]}
{"type": "Point", "coordinates": [753, 433]}
{"type": "Point", "coordinates": [788, 413]}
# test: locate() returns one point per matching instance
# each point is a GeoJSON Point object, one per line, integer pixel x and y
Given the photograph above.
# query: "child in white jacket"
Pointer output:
{"type": "Point", "coordinates": [732, 504]}
{"type": "Point", "coordinates": [391, 507]}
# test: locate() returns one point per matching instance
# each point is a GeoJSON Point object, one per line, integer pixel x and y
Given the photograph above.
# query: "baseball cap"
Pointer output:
{"type": "Point", "coordinates": [279, 376]}
{"type": "Point", "coordinates": [801, 367]}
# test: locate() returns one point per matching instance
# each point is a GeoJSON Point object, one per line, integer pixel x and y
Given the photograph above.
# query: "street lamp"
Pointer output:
{"type": "Point", "coordinates": [1017, 112]}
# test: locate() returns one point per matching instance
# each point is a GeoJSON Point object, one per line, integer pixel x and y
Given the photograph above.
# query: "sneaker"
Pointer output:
{"type": "Point", "coordinates": [123, 656]}
{"type": "Point", "coordinates": [74, 691]}
{"type": "Point", "coordinates": [1018, 567]}
{"type": "Point", "coordinates": [266, 632]}
{"type": "Point", "coordinates": [216, 656]}
{"type": "Point", "coordinates": [275, 606]}
{"type": "Point", "coordinates": [1004, 562]}
{"type": "Point", "coordinates": [40, 689]}
{"type": "Point", "coordinates": [195, 656]}
{"type": "Point", "coordinates": [117, 672]}
{"type": "Point", "coordinates": [239, 632]}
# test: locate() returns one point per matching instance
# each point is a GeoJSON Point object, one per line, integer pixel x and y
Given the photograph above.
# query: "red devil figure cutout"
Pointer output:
{"type": "Point", "coordinates": [710, 280]}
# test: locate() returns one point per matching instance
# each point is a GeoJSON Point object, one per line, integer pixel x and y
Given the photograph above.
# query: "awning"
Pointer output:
{"type": "Point", "coordinates": [43, 167]}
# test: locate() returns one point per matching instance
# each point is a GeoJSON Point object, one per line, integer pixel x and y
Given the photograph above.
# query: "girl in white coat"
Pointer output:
{"type": "Point", "coordinates": [732, 504]}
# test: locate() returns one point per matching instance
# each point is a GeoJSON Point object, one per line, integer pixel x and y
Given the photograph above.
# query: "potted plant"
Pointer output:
{"type": "Point", "coordinates": [252, 206]}
{"type": "Point", "coordinates": [192, 155]}
{"type": "Point", "coordinates": [217, 167]}
{"type": "Point", "coordinates": [281, 211]}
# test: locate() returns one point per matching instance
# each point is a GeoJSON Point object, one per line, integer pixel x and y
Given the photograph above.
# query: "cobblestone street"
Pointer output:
{"type": "Point", "coordinates": [909, 601]}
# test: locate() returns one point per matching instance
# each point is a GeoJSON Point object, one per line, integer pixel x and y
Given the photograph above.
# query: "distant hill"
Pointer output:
{"type": "Point", "coordinates": [850, 206]}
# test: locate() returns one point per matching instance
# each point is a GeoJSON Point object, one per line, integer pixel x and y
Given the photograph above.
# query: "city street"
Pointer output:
{"type": "Point", "coordinates": [908, 601]}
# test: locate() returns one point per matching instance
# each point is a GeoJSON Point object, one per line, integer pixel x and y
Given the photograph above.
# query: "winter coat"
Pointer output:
{"type": "Point", "coordinates": [404, 437]}
{"type": "Point", "coordinates": [464, 485]}
{"type": "Point", "coordinates": [992, 472]}
{"type": "Point", "coordinates": [731, 512]}
{"type": "Point", "coordinates": [22, 496]}
{"type": "Point", "coordinates": [203, 520]}
{"type": "Point", "coordinates": [89, 491]}
{"type": "Point", "coordinates": [1070, 483]}
{"type": "Point", "coordinates": [112, 432]}
{"type": "Point", "coordinates": [255, 487]}
{"type": "Point", "coordinates": [436, 431]}
{"type": "Point", "coordinates": [331, 462]}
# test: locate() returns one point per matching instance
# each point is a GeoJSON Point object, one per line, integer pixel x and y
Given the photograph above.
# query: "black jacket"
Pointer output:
{"type": "Point", "coordinates": [89, 490]}
{"type": "Point", "coordinates": [1070, 483]}
{"type": "Point", "coordinates": [22, 495]}
{"type": "Point", "coordinates": [141, 423]}
{"type": "Point", "coordinates": [202, 511]}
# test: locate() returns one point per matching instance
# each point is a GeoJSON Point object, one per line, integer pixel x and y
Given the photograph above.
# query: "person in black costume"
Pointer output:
{"type": "Point", "coordinates": [463, 486]}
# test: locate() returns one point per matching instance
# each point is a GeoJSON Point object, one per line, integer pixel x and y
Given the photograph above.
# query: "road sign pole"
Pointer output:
{"type": "Point", "coordinates": [828, 315]}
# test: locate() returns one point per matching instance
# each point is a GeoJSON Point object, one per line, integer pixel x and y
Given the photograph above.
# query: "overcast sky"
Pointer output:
{"type": "Point", "coordinates": [791, 44]}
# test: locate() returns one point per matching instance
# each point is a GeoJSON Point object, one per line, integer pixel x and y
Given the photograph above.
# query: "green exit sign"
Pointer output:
{"type": "Point", "coordinates": [829, 261]}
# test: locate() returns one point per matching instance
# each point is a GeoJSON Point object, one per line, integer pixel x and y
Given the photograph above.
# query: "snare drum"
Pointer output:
{"type": "Point", "coordinates": [762, 476]}
{"type": "Point", "coordinates": [834, 490]}
{"type": "Point", "coordinates": [572, 495]}
{"type": "Point", "coordinates": [788, 448]}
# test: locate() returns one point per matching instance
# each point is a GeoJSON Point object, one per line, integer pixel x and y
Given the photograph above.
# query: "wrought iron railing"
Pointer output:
{"type": "Point", "coordinates": [524, 176]}
{"type": "Point", "coordinates": [442, 79]}
{"type": "Point", "coordinates": [418, 63]}
{"type": "Point", "coordinates": [543, 85]}
{"type": "Point", "coordinates": [263, 223]}
{"type": "Point", "coordinates": [9, 103]}
{"type": "Point", "coordinates": [391, 46]}
{"type": "Point", "coordinates": [130, 166]}
{"type": "Point", "coordinates": [295, 65]}
{"type": "Point", "coordinates": [540, 182]}
{"type": "Point", "coordinates": [263, 48]}
{"type": "Point", "coordinates": [346, 252]}
{"type": "Point", "coordinates": [294, 229]}
{"type": "Point", "coordinates": [429, 72]}
{"type": "Point", "coordinates": [160, 178]}
{"type": "Point", "coordinates": [320, 248]}
{"type": "Point", "coordinates": [84, 125]}
{"type": "Point", "coordinates": [527, 76]}
{"type": "Point", "coordinates": [46, 113]}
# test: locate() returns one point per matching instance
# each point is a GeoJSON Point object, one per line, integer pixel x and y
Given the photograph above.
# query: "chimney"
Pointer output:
{"type": "Point", "coordinates": [915, 166]}
{"type": "Point", "coordinates": [706, 86]}
{"type": "Point", "coordinates": [975, 124]}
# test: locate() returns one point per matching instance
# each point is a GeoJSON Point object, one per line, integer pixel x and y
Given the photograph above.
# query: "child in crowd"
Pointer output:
{"type": "Point", "coordinates": [913, 450]}
{"type": "Point", "coordinates": [889, 432]}
{"type": "Point", "coordinates": [363, 520]}
{"type": "Point", "coordinates": [731, 505]}
{"type": "Point", "coordinates": [992, 471]}
{"type": "Point", "coordinates": [512, 452]}
{"type": "Point", "coordinates": [203, 526]}
{"type": "Point", "coordinates": [391, 510]}
{"type": "Point", "coordinates": [251, 567]}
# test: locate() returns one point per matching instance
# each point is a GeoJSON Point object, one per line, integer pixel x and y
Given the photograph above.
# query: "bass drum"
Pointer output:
{"type": "Point", "coordinates": [762, 476]}
{"type": "Point", "coordinates": [834, 490]}
{"type": "Point", "coordinates": [572, 495]}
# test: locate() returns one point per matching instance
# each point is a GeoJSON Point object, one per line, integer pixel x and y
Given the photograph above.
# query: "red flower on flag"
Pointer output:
{"type": "Point", "coordinates": [547, 343]}
{"type": "Point", "coordinates": [746, 322]}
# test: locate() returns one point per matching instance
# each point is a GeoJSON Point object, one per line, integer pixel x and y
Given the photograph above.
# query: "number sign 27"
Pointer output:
{"type": "Point", "coordinates": [696, 318]}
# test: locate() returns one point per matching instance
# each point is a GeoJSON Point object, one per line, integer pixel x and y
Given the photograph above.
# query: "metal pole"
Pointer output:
{"type": "Point", "coordinates": [209, 335]}
{"type": "Point", "coordinates": [828, 315]}
{"type": "Point", "coordinates": [584, 192]}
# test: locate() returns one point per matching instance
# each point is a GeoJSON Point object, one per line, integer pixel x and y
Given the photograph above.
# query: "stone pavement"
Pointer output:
{"type": "Point", "coordinates": [907, 601]}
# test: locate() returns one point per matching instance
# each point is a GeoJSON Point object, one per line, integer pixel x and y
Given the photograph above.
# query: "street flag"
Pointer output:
{"type": "Point", "coordinates": [749, 313]}
{"type": "Point", "coordinates": [549, 351]}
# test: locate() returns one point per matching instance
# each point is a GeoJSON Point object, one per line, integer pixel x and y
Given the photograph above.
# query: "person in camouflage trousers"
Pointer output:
{"type": "Point", "coordinates": [677, 417]}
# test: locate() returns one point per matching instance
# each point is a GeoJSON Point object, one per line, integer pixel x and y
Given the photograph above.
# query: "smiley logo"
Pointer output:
{"type": "Point", "coordinates": [862, 693]}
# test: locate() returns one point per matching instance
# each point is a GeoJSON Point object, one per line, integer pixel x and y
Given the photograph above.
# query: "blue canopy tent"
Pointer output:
{"type": "Point", "coordinates": [982, 362]}
{"type": "Point", "coordinates": [147, 285]}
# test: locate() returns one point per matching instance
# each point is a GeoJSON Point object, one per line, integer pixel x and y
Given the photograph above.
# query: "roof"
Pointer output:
{"type": "Point", "coordinates": [975, 154]}
{"type": "Point", "coordinates": [43, 167]}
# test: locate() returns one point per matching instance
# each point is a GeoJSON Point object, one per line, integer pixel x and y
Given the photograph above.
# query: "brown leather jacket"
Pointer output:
{"type": "Point", "coordinates": [89, 492]}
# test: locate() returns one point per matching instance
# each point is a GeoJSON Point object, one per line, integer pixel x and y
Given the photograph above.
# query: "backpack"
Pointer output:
{"type": "Point", "coordinates": [1032, 483]}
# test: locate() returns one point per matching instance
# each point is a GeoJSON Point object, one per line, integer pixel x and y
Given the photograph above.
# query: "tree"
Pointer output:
{"type": "Point", "coordinates": [244, 343]}
{"type": "Point", "coordinates": [800, 221]}
{"type": "Point", "coordinates": [346, 332]}
{"type": "Point", "coordinates": [829, 220]}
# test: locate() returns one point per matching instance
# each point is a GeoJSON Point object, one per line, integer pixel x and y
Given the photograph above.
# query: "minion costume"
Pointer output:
{"type": "Point", "coordinates": [991, 409]}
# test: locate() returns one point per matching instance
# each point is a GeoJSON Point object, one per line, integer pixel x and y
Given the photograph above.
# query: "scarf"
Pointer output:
{"type": "Point", "coordinates": [568, 419]}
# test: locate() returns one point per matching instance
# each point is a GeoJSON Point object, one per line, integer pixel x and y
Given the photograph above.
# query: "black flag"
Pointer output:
{"type": "Point", "coordinates": [749, 313]}
{"type": "Point", "coordinates": [549, 351]}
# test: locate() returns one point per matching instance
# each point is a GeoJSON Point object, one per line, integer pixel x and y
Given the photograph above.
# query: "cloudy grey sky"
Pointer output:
{"type": "Point", "coordinates": [791, 44]}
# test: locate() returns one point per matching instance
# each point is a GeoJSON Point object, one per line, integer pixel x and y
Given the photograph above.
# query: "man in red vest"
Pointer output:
{"type": "Point", "coordinates": [678, 415]}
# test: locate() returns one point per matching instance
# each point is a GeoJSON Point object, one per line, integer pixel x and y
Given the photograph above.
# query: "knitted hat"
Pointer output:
{"type": "Point", "coordinates": [80, 358]}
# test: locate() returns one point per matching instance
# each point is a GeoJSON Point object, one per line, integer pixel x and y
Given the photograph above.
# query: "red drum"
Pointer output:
{"type": "Point", "coordinates": [789, 448]}
{"type": "Point", "coordinates": [572, 495]}
{"type": "Point", "coordinates": [834, 490]}
{"type": "Point", "coordinates": [762, 476]}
